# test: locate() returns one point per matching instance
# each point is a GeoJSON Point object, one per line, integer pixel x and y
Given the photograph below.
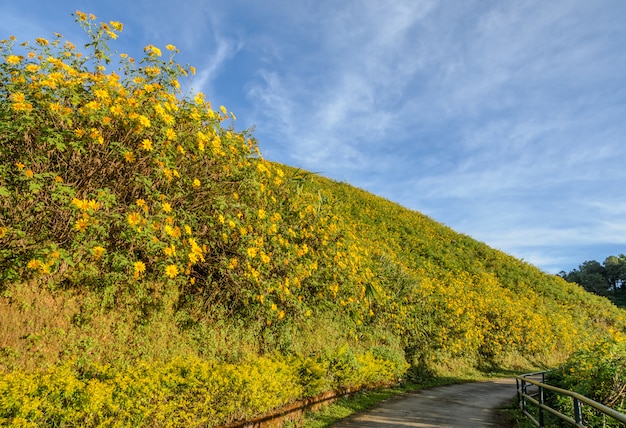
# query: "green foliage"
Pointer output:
{"type": "Point", "coordinates": [597, 372]}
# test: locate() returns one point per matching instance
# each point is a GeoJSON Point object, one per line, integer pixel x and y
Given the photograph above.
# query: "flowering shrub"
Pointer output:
{"type": "Point", "coordinates": [182, 392]}
{"type": "Point", "coordinates": [114, 179]}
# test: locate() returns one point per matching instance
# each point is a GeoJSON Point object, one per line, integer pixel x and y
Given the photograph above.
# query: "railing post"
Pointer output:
{"type": "Point", "coordinates": [523, 399]}
{"type": "Point", "coordinates": [541, 423]}
{"type": "Point", "coordinates": [578, 414]}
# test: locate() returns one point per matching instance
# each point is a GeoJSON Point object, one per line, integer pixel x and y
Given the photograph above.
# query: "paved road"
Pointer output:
{"type": "Point", "coordinates": [462, 405]}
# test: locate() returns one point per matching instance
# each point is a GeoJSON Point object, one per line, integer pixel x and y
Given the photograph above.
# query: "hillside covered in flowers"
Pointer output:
{"type": "Point", "coordinates": [156, 270]}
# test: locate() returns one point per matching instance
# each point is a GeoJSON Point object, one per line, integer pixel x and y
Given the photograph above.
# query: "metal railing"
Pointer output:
{"type": "Point", "coordinates": [531, 390]}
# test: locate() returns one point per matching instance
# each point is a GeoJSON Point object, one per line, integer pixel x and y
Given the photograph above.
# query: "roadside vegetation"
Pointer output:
{"type": "Point", "coordinates": [156, 270]}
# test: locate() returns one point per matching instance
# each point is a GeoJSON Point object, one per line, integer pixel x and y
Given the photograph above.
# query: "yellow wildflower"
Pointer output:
{"type": "Point", "coordinates": [116, 110]}
{"type": "Point", "coordinates": [144, 121]}
{"type": "Point", "coordinates": [13, 59]}
{"type": "Point", "coordinates": [166, 207]}
{"type": "Point", "coordinates": [29, 173]}
{"type": "Point", "coordinates": [133, 219]}
{"type": "Point", "coordinates": [93, 204]}
{"type": "Point", "coordinates": [170, 251]}
{"type": "Point", "coordinates": [81, 224]}
{"type": "Point", "coordinates": [146, 144]}
{"type": "Point", "coordinates": [18, 97]}
{"type": "Point", "coordinates": [33, 264]}
{"type": "Point", "coordinates": [3, 231]}
{"type": "Point", "coordinates": [196, 182]}
{"type": "Point", "coordinates": [20, 165]}
{"type": "Point", "coordinates": [139, 268]}
{"type": "Point", "coordinates": [58, 179]}
{"type": "Point", "coordinates": [129, 156]}
{"type": "Point", "coordinates": [171, 271]}
{"type": "Point", "coordinates": [199, 98]}
{"type": "Point", "coordinates": [252, 252]}
{"type": "Point", "coordinates": [97, 252]}
{"type": "Point", "coordinates": [152, 50]}
{"type": "Point", "coordinates": [117, 26]}
{"type": "Point", "coordinates": [170, 47]}
{"type": "Point", "coordinates": [101, 93]}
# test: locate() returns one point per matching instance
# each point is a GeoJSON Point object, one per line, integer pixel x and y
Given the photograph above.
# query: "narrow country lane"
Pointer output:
{"type": "Point", "coordinates": [462, 405]}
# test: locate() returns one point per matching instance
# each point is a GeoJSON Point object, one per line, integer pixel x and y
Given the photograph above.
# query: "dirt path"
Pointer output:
{"type": "Point", "coordinates": [462, 405]}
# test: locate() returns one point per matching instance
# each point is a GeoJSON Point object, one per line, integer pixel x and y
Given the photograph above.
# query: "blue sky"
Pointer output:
{"type": "Point", "coordinates": [503, 120]}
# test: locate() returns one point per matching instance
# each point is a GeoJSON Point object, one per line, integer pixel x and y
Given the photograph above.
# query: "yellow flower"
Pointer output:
{"type": "Point", "coordinates": [170, 134]}
{"type": "Point", "coordinates": [18, 97]}
{"type": "Point", "coordinates": [199, 98]}
{"type": "Point", "coordinates": [196, 182]}
{"type": "Point", "coordinates": [171, 271]}
{"type": "Point", "coordinates": [144, 121]}
{"type": "Point", "coordinates": [58, 179]}
{"type": "Point", "coordinates": [139, 268]}
{"type": "Point", "coordinates": [169, 230]}
{"type": "Point", "coordinates": [166, 207]}
{"type": "Point", "coordinates": [152, 50]}
{"type": "Point", "coordinates": [252, 252]}
{"type": "Point", "coordinates": [261, 213]}
{"type": "Point", "coordinates": [129, 157]}
{"type": "Point", "coordinates": [146, 144]}
{"type": "Point", "coordinates": [81, 224]}
{"type": "Point", "coordinates": [3, 231]}
{"type": "Point", "coordinates": [97, 252]}
{"type": "Point", "coordinates": [29, 173]}
{"type": "Point", "coordinates": [116, 110]}
{"type": "Point", "coordinates": [33, 264]}
{"type": "Point", "coordinates": [13, 59]}
{"type": "Point", "coordinates": [170, 47]}
{"type": "Point", "coordinates": [20, 165]}
{"type": "Point", "coordinates": [133, 219]}
{"type": "Point", "coordinates": [140, 202]}
{"type": "Point", "coordinates": [101, 93]}
{"type": "Point", "coordinates": [93, 204]}
{"type": "Point", "coordinates": [117, 26]}
{"type": "Point", "coordinates": [170, 251]}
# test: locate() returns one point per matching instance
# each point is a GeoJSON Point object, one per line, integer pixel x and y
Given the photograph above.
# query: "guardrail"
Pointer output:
{"type": "Point", "coordinates": [532, 390]}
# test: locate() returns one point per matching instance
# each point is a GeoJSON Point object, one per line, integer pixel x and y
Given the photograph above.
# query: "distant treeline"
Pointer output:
{"type": "Point", "coordinates": [606, 279]}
